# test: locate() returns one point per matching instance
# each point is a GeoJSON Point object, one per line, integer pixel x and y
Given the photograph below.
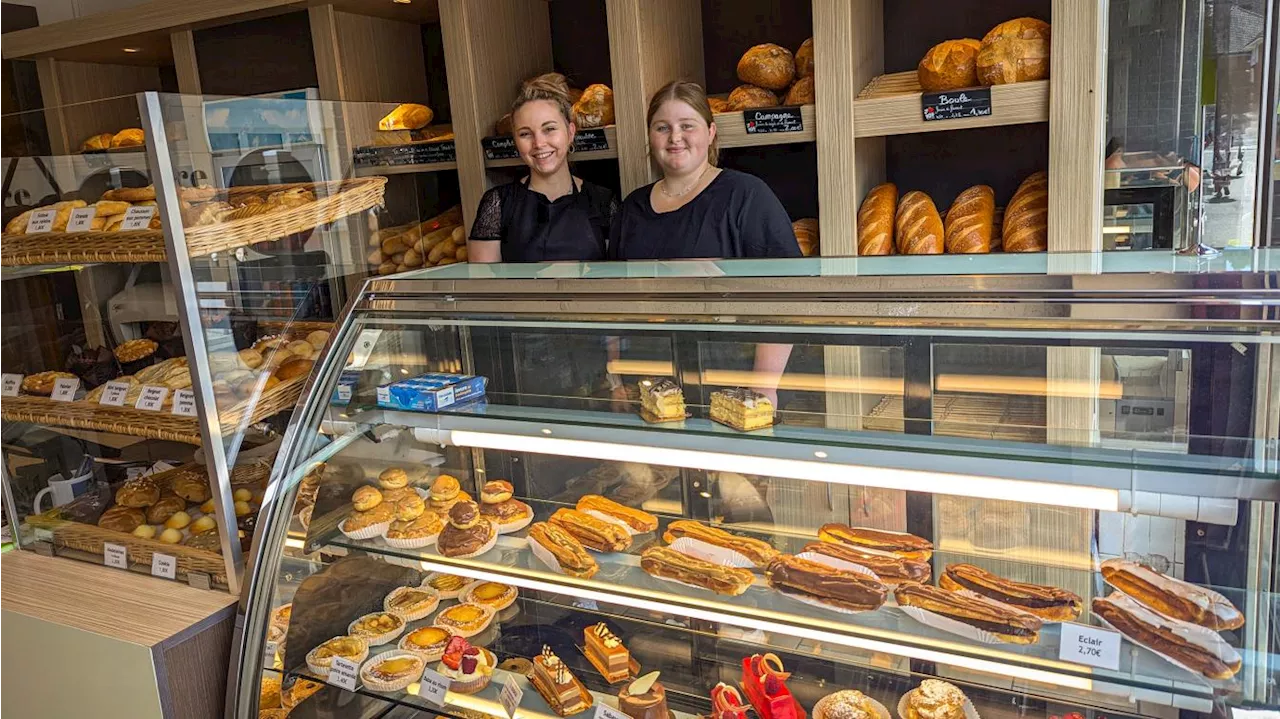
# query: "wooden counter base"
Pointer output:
{"type": "Point", "coordinates": [85, 640]}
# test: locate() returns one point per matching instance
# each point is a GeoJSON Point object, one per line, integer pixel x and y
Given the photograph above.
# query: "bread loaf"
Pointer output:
{"type": "Point", "coordinates": [1026, 217]}
{"type": "Point", "coordinates": [100, 141]}
{"type": "Point", "coordinates": [746, 97]}
{"type": "Point", "coordinates": [503, 126]}
{"type": "Point", "coordinates": [806, 230]}
{"type": "Point", "coordinates": [128, 137]}
{"type": "Point", "coordinates": [594, 108]}
{"type": "Point", "coordinates": [1014, 51]}
{"type": "Point", "coordinates": [406, 116]}
{"type": "Point", "coordinates": [804, 59]}
{"type": "Point", "coordinates": [875, 220]}
{"type": "Point", "coordinates": [718, 105]}
{"type": "Point", "coordinates": [800, 93]}
{"type": "Point", "coordinates": [970, 221]}
{"type": "Point", "coordinates": [918, 226]}
{"type": "Point", "coordinates": [769, 66]}
{"type": "Point", "coordinates": [949, 65]}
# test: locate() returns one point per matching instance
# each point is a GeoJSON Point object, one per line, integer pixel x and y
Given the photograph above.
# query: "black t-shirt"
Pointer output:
{"type": "Point", "coordinates": [736, 215]}
{"type": "Point", "coordinates": [532, 228]}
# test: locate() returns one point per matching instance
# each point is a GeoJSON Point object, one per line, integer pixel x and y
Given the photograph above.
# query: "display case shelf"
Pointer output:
{"type": "Point", "coordinates": [891, 105]}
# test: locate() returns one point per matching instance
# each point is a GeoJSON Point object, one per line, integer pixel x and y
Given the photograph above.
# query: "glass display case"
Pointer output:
{"type": "Point", "coordinates": [521, 490]}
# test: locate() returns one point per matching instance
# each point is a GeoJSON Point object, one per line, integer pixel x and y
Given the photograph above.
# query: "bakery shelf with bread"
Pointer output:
{"type": "Point", "coordinates": [890, 105]}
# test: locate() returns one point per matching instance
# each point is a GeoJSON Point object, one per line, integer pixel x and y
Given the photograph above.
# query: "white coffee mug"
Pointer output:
{"type": "Point", "coordinates": [63, 490]}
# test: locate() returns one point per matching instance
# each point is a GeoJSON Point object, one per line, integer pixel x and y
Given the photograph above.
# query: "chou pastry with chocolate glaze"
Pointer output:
{"type": "Point", "coordinates": [468, 533]}
{"type": "Point", "coordinates": [639, 521]}
{"type": "Point", "coordinates": [1049, 603]}
{"type": "Point", "coordinates": [890, 568]}
{"type": "Point", "coordinates": [667, 563]}
{"type": "Point", "coordinates": [1172, 597]}
{"type": "Point", "coordinates": [1196, 646]}
{"type": "Point", "coordinates": [835, 587]}
{"type": "Point", "coordinates": [760, 553]}
{"type": "Point", "coordinates": [934, 699]}
{"type": "Point", "coordinates": [1006, 623]}
{"type": "Point", "coordinates": [899, 543]}
{"type": "Point", "coordinates": [592, 532]}
{"type": "Point", "coordinates": [366, 498]}
{"type": "Point", "coordinates": [393, 478]}
{"type": "Point", "coordinates": [570, 556]}
{"type": "Point", "coordinates": [507, 513]}
{"type": "Point", "coordinates": [496, 491]}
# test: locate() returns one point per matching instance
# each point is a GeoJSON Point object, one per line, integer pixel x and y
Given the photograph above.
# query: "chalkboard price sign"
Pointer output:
{"type": "Point", "coordinates": [773, 119]}
{"type": "Point", "coordinates": [956, 104]}
{"type": "Point", "coordinates": [502, 147]}
{"type": "Point", "coordinates": [590, 140]}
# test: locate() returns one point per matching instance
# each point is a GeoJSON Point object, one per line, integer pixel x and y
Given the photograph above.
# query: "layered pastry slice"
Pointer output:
{"type": "Point", "coordinates": [743, 409]}
{"type": "Point", "coordinates": [558, 685]}
{"type": "Point", "coordinates": [606, 653]}
{"type": "Point", "coordinates": [661, 400]}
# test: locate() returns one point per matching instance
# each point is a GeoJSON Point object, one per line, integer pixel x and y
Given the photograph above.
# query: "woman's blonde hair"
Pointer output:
{"type": "Point", "coordinates": [693, 95]}
{"type": "Point", "coordinates": [551, 87]}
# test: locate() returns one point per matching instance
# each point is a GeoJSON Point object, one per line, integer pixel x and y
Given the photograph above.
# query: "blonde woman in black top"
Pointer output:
{"type": "Point", "coordinates": [548, 215]}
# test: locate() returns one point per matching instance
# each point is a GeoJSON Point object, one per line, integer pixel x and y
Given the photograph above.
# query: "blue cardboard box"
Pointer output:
{"type": "Point", "coordinates": [346, 388]}
{"type": "Point", "coordinates": [431, 392]}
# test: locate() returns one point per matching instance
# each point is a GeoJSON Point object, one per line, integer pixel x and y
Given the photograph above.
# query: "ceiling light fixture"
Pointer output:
{"type": "Point", "coordinates": [133, 49]}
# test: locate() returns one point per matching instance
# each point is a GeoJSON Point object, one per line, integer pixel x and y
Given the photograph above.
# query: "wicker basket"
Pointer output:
{"type": "Point", "coordinates": [61, 247]}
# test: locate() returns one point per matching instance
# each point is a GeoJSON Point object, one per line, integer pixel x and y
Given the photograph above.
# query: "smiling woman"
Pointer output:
{"type": "Point", "coordinates": [548, 215]}
{"type": "Point", "coordinates": [697, 210]}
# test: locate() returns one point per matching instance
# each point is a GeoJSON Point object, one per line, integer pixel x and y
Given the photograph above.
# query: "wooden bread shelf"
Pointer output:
{"type": "Point", "coordinates": [731, 130]}
{"type": "Point", "coordinates": [890, 105]}
{"type": "Point", "coordinates": [405, 169]}
{"type": "Point", "coordinates": [64, 247]}
{"type": "Point", "coordinates": [143, 423]}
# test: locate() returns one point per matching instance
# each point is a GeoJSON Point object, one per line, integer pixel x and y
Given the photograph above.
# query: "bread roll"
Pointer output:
{"type": "Point", "coordinates": [1026, 218]}
{"type": "Point", "coordinates": [718, 105]}
{"type": "Point", "coordinates": [918, 226]}
{"type": "Point", "coordinates": [101, 141]}
{"type": "Point", "coordinates": [503, 126]}
{"type": "Point", "coordinates": [970, 221]}
{"type": "Point", "coordinates": [769, 66]}
{"type": "Point", "coordinates": [875, 220]}
{"type": "Point", "coordinates": [806, 230]}
{"type": "Point", "coordinates": [406, 116]}
{"type": "Point", "coordinates": [594, 108]}
{"type": "Point", "coordinates": [1014, 51]}
{"type": "Point", "coordinates": [128, 137]}
{"type": "Point", "coordinates": [949, 65]}
{"type": "Point", "coordinates": [804, 59]}
{"type": "Point", "coordinates": [800, 93]}
{"type": "Point", "coordinates": [746, 97]}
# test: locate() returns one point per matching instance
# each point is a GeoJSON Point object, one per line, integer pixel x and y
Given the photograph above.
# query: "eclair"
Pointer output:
{"type": "Point", "coordinates": [593, 532]}
{"type": "Point", "coordinates": [573, 559]}
{"type": "Point", "coordinates": [1193, 645]}
{"type": "Point", "coordinates": [1006, 623]}
{"type": "Point", "coordinates": [758, 551]}
{"type": "Point", "coordinates": [638, 520]}
{"type": "Point", "coordinates": [1172, 597]}
{"type": "Point", "coordinates": [890, 568]}
{"type": "Point", "coordinates": [1049, 603]}
{"type": "Point", "coordinates": [837, 587]}
{"type": "Point", "coordinates": [667, 563]}
{"type": "Point", "coordinates": [900, 543]}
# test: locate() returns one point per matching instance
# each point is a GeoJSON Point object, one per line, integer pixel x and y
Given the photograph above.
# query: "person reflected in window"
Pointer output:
{"type": "Point", "coordinates": [548, 215]}
{"type": "Point", "coordinates": [697, 209]}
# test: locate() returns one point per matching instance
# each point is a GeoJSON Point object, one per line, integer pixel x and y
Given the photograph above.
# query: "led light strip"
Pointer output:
{"type": "Point", "coordinates": [961, 485]}
{"type": "Point", "coordinates": [988, 666]}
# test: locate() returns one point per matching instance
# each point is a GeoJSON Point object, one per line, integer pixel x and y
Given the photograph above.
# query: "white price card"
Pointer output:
{"type": "Point", "coordinates": [1095, 646]}
{"type": "Point", "coordinates": [115, 555]}
{"type": "Point", "coordinates": [114, 394]}
{"type": "Point", "coordinates": [164, 565]}
{"type": "Point", "coordinates": [41, 221]}
{"type": "Point", "coordinates": [152, 398]}
{"type": "Point", "coordinates": [184, 402]}
{"type": "Point", "coordinates": [12, 383]}
{"type": "Point", "coordinates": [344, 673]}
{"type": "Point", "coordinates": [604, 711]}
{"type": "Point", "coordinates": [433, 687]}
{"type": "Point", "coordinates": [82, 219]}
{"type": "Point", "coordinates": [511, 695]}
{"type": "Point", "coordinates": [137, 217]}
{"type": "Point", "coordinates": [64, 389]}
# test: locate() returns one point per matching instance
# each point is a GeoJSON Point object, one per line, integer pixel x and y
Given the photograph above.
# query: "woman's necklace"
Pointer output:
{"type": "Point", "coordinates": [686, 190]}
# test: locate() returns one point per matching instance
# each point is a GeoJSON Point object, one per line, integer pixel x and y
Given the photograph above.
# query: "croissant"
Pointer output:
{"type": "Point", "coordinates": [918, 225]}
{"type": "Point", "coordinates": [1026, 218]}
{"type": "Point", "coordinates": [970, 221]}
{"type": "Point", "coordinates": [875, 220]}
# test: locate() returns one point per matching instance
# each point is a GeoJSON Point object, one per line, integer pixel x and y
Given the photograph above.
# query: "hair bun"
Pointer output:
{"type": "Point", "coordinates": [550, 83]}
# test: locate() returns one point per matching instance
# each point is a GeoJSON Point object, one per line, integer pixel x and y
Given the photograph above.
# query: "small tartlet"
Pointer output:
{"type": "Point", "coordinates": [465, 620]}
{"type": "Point", "coordinates": [493, 595]}
{"type": "Point", "coordinates": [320, 659]}
{"type": "Point", "coordinates": [412, 603]}
{"type": "Point", "coordinates": [448, 586]}
{"type": "Point", "coordinates": [392, 671]}
{"type": "Point", "coordinates": [377, 627]}
{"type": "Point", "coordinates": [429, 642]}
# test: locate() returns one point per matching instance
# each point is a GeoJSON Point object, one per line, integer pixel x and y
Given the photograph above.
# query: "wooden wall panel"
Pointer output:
{"type": "Point", "coordinates": [1077, 116]}
{"type": "Point", "coordinates": [88, 98]}
{"type": "Point", "coordinates": [184, 62]}
{"type": "Point", "coordinates": [255, 57]}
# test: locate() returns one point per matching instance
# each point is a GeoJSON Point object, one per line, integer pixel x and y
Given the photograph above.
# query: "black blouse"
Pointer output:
{"type": "Point", "coordinates": [532, 228]}
{"type": "Point", "coordinates": [736, 215]}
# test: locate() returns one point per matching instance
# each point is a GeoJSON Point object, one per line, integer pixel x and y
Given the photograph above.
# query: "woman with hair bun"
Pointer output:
{"type": "Point", "coordinates": [697, 210]}
{"type": "Point", "coordinates": [548, 215]}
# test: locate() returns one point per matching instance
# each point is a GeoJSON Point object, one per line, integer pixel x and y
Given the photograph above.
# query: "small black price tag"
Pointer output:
{"type": "Point", "coordinates": [590, 140]}
{"type": "Point", "coordinates": [956, 104]}
{"type": "Point", "coordinates": [773, 119]}
{"type": "Point", "coordinates": [418, 153]}
{"type": "Point", "coordinates": [499, 148]}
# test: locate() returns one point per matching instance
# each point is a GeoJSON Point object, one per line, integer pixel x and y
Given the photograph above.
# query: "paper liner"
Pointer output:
{"type": "Point", "coordinates": [397, 685]}
{"type": "Point", "coordinates": [545, 556]}
{"type": "Point", "coordinates": [426, 582]}
{"type": "Point", "coordinates": [516, 526]}
{"type": "Point", "coordinates": [1193, 672]}
{"type": "Point", "coordinates": [370, 532]}
{"type": "Point", "coordinates": [1210, 592]}
{"type": "Point", "coordinates": [467, 633]}
{"type": "Point", "coordinates": [974, 595]}
{"type": "Point", "coordinates": [493, 541]}
{"type": "Point", "coordinates": [721, 556]}
{"type": "Point", "coordinates": [953, 626]}
{"type": "Point", "coordinates": [416, 614]}
{"type": "Point", "coordinates": [882, 711]}
{"type": "Point", "coordinates": [374, 640]}
{"type": "Point", "coordinates": [702, 588]}
{"type": "Point", "coordinates": [322, 670]}
{"type": "Point", "coordinates": [465, 596]}
{"type": "Point", "coordinates": [834, 564]}
{"type": "Point", "coordinates": [970, 711]}
{"type": "Point", "coordinates": [431, 656]}
{"type": "Point", "coordinates": [612, 520]}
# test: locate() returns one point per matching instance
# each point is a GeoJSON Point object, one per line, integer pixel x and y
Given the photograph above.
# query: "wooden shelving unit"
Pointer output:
{"type": "Point", "coordinates": [732, 132]}
{"type": "Point", "coordinates": [891, 105]}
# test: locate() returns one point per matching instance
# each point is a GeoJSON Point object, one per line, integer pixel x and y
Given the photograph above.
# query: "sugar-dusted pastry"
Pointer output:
{"type": "Point", "coordinates": [606, 652]}
{"type": "Point", "coordinates": [494, 595]}
{"type": "Point", "coordinates": [469, 668]}
{"type": "Point", "coordinates": [412, 603]}
{"type": "Point", "coordinates": [638, 520]}
{"type": "Point", "coordinates": [743, 409]}
{"type": "Point", "coordinates": [661, 400]}
{"type": "Point", "coordinates": [934, 699]}
{"type": "Point", "coordinates": [468, 534]}
{"type": "Point", "coordinates": [557, 684]}
{"type": "Point", "coordinates": [846, 704]}
{"type": "Point", "coordinates": [430, 642]}
{"type": "Point", "coordinates": [392, 671]}
{"type": "Point", "coordinates": [465, 620]}
{"type": "Point", "coordinates": [366, 498]}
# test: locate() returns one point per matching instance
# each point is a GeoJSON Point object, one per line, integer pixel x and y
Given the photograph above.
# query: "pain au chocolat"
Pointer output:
{"type": "Point", "coordinates": [1049, 603]}
{"type": "Point", "coordinates": [1007, 624]}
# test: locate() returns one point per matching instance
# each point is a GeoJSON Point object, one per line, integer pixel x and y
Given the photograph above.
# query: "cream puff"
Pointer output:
{"type": "Point", "coordinates": [496, 491]}
{"type": "Point", "coordinates": [393, 478]}
{"type": "Point", "coordinates": [410, 508]}
{"type": "Point", "coordinates": [366, 498]}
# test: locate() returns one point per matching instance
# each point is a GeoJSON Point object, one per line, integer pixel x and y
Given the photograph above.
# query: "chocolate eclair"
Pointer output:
{"type": "Point", "coordinates": [468, 534]}
{"type": "Point", "coordinates": [1008, 624]}
{"type": "Point", "coordinates": [899, 543]}
{"type": "Point", "coordinates": [1050, 603]}
{"type": "Point", "coordinates": [890, 568]}
{"type": "Point", "coordinates": [837, 587]}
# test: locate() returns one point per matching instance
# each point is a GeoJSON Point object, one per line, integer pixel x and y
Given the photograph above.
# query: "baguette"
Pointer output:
{"type": "Point", "coordinates": [908, 546]}
{"type": "Point", "coordinates": [970, 221]}
{"type": "Point", "coordinates": [667, 563]}
{"type": "Point", "coordinates": [573, 558]}
{"type": "Point", "coordinates": [758, 551]}
{"type": "Point", "coordinates": [1026, 218]}
{"type": "Point", "coordinates": [1049, 603]}
{"type": "Point", "coordinates": [918, 226]}
{"type": "Point", "coordinates": [634, 518]}
{"type": "Point", "coordinates": [594, 533]}
{"type": "Point", "coordinates": [1195, 646]}
{"type": "Point", "coordinates": [1008, 624]}
{"type": "Point", "coordinates": [1172, 597]}
{"type": "Point", "coordinates": [838, 587]}
{"type": "Point", "coordinates": [890, 568]}
{"type": "Point", "coordinates": [875, 220]}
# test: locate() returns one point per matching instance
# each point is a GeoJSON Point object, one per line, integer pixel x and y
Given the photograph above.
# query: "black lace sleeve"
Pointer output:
{"type": "Point", "coordinates": [488, 224]}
